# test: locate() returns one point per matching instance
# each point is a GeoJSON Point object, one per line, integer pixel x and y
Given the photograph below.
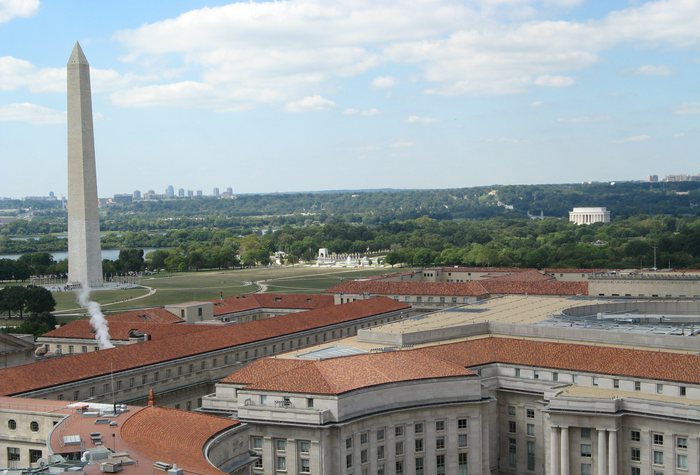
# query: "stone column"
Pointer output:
{"type": "Point", "coordinates": [602, 452]}
{"type": "Point", "coordinates": [554, 450]}
{"type": "Point", "coordinates": [612, 452]}
{"type": "Point", "coordinates": [564, 451]}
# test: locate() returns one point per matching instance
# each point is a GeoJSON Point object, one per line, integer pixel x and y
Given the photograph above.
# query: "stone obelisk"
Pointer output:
{"type": "Point", "coordinates": [84, 251]}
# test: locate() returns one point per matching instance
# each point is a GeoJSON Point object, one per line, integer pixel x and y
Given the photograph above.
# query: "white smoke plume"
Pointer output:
{"type": "Point", "coordinates": [97, 318]}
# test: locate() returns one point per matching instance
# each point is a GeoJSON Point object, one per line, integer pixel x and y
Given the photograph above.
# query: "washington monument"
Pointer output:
{"type": "Point", "coordinates": [84, 252]}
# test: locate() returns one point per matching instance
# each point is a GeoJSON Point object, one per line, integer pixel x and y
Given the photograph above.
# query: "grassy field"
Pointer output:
{"type": "Point", "coordinates": [164, 289]}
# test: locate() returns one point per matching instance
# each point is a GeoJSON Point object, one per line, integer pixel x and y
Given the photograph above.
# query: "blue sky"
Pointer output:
{"type": "Point", "coordinates": [352, 94]}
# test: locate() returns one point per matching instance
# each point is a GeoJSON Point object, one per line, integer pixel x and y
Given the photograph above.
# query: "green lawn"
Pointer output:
{"type": "Point", "coordinates": [189, 286]}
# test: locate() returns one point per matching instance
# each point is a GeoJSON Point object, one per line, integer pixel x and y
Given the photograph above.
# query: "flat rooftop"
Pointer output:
{"type": "Point", "coordinates": [521, 309]}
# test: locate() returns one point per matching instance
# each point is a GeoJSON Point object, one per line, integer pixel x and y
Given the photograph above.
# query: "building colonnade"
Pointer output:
{"type": "Point", "coordinates": [559, 464]}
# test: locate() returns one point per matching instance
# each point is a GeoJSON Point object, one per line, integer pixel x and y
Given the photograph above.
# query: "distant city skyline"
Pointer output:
{"type": "Point", "coordinates": [309, 96]}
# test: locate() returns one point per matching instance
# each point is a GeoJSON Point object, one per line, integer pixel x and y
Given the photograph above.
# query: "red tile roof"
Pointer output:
{"type": "Point", "coordinates": [240, 303]}
{"type": "Point", "coordinates": [529, 275]}
{"type": "Point", "coordinates": [62, 370]}
{"type": "Point", "coordinates": [341, 375]}
{"type": "Point", "coordinates": [373, 287]}
{"type": "Point", "coordinates": [152, 315]}
{"type": "Point", "coordinates": [174, 437]}
{"type": "Point", "coordinates": [120, 330]}
{"type": "Point", "coordinates": [646, 364]}
{"type": "Point", "coordinates": [545, 287]}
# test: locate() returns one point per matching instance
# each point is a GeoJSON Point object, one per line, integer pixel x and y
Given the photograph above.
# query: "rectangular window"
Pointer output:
{"type": "Point", "coordinates": [281, 463]}
{"type": "Point", "coordinates": [309, 402]}
{"type": "Point", "coordinates": [34, 455]}
{"type": "Point", "coordinates": [281, 445]}
{"type": "Point", "coordinates": [682, 461]}
{"type": "Point", "coordinates": [363, 456]}
{"type": "Point", "coordinates": [530, 455]}
{"type": "Point", "coordinates": [511, 427]}
{"type": "Point", "coordinates": [636, 455]}
{"type": "Point", "coordinates": [144, 379]}
{"type": "Point", "coordinates": [517, 372]}
{"type": "Point", "coordinates": [585, 450]}
{"type": "Point", "coordinates": [586, 469]}
{"type": "Point", "coordinates": [304, 446]}
{"type": "Point", "coordinates": [440, 464]}
{"type": "Point", "coordinates": [364, 437]}
{"type": "Point", "coordinates": [418, 428]}
{"type": "Point", "coordinates": [462, 464]}
{"type": "Point", "coordinates": [380, 434]}
{"type": "Point", "coordinates": [637, 386]}
{"type": "Point", "coordinates": [682, 442]}
{"type": "Point", "coordinates": [636, 471]}
{"type": "Point", "coordinates": [439, 426]}
{"type": "Point", "coordinates": [682, 390]}
{"type": "Point", "coordinates": [594, 380]}
{"type": "Point", "coordinates": [304, 466]}
{"type": "Point", "coordinates": [348, 461]}
{"type": "Point", "coordinates": [419, 466]}
{"type": "Point", "coordinates": [461, 440]}
{"type": "Point", "coordinates": [440, 443]}
{"type": "Point", "coordinates": [616, 383]}
{"type": "Point", "coordinates": [555, 376]}
{"type": "Point", "coordinates": [512, 452]}
{"type": "Point", "coordinates": [380, 452]}
{"type": "Point", "coordinates": [419, 445]}
{"type": "Point", "coordinates": [399, 448]}
{"type": "Point", "coordinates": [634, 435]}
{"type": "Point", "coordinates": [399, 467]}
{"type": "Point", "coordinates": [659, 389]}
{"type": "Point", "coordinates": [585, 432]}
{"type": "Point", "coordinates": [348, 443]}
{"type": "Point", "coordinates": [658, 457]}
{"type": "Point", "coordinates": [531, 429]}
{"type": "Point", "coordinates": [398, 431]}
{"type": "Point", "coordinates": [511, 410]}
{"type": "Point", "coordinates": [380, 469]}
{"type": "Point", "coordinates": [530, 413]}
{"type": "Point", "coordinates": [13, 454]}
{"type": "Point", "coordinates": [461, 423]}
{"type": "Point", "coordinates": [658, 439]}
{"type": "Point", "coordinates": [76, 395]}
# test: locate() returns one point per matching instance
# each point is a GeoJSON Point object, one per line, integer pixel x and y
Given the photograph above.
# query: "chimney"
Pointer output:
{"type": "Point", "coordinates": [151, 397]}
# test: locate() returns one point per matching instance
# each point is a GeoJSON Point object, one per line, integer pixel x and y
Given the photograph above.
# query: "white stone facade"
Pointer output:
{"type": "Point", "coordinates": [589, 215]}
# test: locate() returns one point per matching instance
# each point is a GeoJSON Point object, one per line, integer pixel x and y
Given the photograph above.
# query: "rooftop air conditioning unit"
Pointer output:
{"type": "Point", "coordinates": [163, 466]}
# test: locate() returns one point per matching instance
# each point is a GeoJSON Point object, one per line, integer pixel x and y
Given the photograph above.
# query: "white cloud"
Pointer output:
{"type": "Point", "coordinates": [310, 103]}
{"type": "Point", "coordinates": [384, 82]}
{"type": "Point", "coordinates": [688, 108]}
{"type": "Point", "coordinates": [650, 70]}
{"type": "Point", "coordinates": [279, 51]}
{"type": "Point", "coordinates": [415, 119]}
{"type": "Point", "coordinates": [633, 138]}
{"type": "Point", "coordinates": [554, 81]}
{"type": "Point", "coordinates": [363, 112]}
{"type": "Point", "coordinates": [10, 9]}
{"type": "Point", "coordinates": [536, 104]}
{"type": "Point", "coordinates": [31, 113]}
{"type": "Point", "coordinates": [18, 73]}
{"type": "Point", "coordinates": [584, 119]}
{"type": "Point", "coordinates": [403, 144]}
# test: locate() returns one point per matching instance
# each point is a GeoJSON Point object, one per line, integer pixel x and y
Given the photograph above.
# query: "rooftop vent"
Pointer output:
{"type": "Point", "coordinates": [162, 466]}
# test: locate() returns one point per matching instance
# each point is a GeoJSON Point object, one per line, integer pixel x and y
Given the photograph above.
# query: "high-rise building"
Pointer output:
{"type": "Point", "coordinates": [215, 192]}
{"type": "Point", "coordinates": [137, 194]}
{"type": "Point", "coordinates": [170, 191]}
{"type": "Point", "coordinates": [84, 251]}
{"type": "Point", "coordinates": [181, 192]}
{"type": "Point", "coordinates": [190, 193]}
{"type": "Point", "coordinates": [199, 193]}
